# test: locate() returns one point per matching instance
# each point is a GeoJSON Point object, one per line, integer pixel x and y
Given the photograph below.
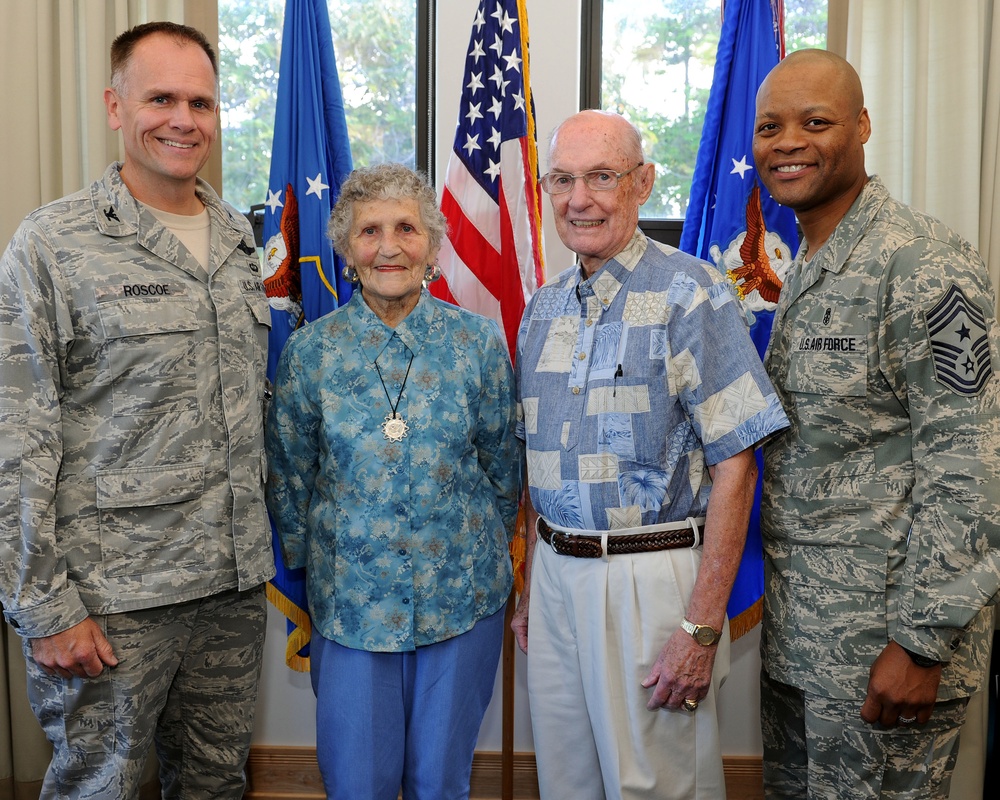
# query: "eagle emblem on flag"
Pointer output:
{"type": "Point", "coordinates": [755, 260]}
{"type": "Point", "coordinates": [282, 273]}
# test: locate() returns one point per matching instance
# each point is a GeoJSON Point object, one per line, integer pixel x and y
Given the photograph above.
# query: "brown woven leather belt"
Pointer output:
{"type": "Point", "coordinates": [583, 546]}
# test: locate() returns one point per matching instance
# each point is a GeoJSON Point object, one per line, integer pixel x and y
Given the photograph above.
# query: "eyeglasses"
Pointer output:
{"type": "Point", "coordinates": [600, 180]}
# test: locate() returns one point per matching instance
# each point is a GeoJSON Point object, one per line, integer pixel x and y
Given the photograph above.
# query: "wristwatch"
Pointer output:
{"type": "Point", "coordinates": [919, 660]}
{"type": "Point", "coordinates": [705, 635]}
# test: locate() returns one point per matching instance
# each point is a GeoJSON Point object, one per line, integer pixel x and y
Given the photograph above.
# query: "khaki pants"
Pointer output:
{"type": "Point", "coordinates": [595, 627]}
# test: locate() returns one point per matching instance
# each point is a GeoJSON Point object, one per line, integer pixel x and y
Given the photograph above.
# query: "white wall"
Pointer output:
{"type": "Point", "coordinates": [286, 708]}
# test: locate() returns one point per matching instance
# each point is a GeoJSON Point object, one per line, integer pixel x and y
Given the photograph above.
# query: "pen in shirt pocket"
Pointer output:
{"type": "Point", "coordinates": [618, 374]}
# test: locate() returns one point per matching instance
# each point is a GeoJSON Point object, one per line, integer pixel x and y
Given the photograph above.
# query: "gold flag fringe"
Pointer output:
{"type": "Point", "coordinates": [746, 621]}
{"type": "Point", "coordinates": [518, 547]}
{"type": "Point", "coordinates": [299, 637]}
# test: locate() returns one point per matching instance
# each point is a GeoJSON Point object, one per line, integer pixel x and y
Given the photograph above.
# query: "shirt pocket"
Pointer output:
{"type": "Point", "coordinates": [152, 355]}
{"type": "Point", "coordinates": [260, 329]}
{"type": "Point", "coordinates": [150, 520]}
{"type": "Point", "coordinates": [838, 601]}
{"type": "Point", "coordinates": [829, 389]}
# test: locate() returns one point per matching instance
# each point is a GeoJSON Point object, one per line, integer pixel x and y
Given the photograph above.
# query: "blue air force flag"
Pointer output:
{"type": "Point", "coordinates": [733, 222]}
{"type": "Point", "coordinates": [310, 158]}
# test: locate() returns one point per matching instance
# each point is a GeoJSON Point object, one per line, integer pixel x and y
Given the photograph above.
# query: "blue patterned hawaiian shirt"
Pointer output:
{"type": "Point", "coordinates": [630, 384]}
{"type": "Point", "coordinates": [404, 543]}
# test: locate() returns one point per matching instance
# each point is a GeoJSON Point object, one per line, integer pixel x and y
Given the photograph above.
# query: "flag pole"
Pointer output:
{"type": "Point", "coordinates": [492, 259]}
{"type": "Point", "coordinates": [507, 684]}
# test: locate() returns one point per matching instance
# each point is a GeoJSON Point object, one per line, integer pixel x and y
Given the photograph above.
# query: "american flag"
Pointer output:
{"type": "Point", "coordinates": [492, 260]}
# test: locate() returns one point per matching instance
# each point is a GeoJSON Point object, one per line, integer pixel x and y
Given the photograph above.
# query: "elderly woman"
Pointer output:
{"type": "Point", "coordinates": [394, 477]}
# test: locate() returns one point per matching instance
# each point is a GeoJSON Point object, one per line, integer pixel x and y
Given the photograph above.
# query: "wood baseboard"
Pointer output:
{"type": "Point", "coordinates": [291, 773]}
{"type": "Point", "coordinates": [744, 777]}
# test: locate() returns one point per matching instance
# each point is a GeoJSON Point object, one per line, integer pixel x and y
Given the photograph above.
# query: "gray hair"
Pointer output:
{"type": "Point", "coordinates": [385, 182]}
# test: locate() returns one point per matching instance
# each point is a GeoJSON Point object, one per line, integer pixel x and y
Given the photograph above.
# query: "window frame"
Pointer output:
{"type": "Point", "coordinates": [424, 98]}
{"type": "Point", "coordinates": [666, 230]}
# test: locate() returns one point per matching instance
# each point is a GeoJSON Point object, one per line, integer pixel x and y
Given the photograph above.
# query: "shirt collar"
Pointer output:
{"type": "Point", "coordinates": [610, 278]}
{"type": "Point", "coordinates": [852, 228]}
{"type": "Point", "coordinates": [374, 334]}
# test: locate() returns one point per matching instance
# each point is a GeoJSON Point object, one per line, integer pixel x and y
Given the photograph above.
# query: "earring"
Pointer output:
{"type": "Point", "coordinates": [350, 274]}
{"type": "Point", "coordinates": [432, 273]}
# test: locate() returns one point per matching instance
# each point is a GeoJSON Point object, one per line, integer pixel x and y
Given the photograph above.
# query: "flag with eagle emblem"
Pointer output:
{"type": "Point", "coordinates": [733, 222]}
{"type": "Point", "coordinates": [310, 158]}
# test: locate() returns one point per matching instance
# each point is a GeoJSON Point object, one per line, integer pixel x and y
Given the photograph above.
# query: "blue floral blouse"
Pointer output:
{"type": "Point", "coordinates": [405, 543]}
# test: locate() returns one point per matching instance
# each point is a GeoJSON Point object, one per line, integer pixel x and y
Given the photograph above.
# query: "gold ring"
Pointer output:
{"type": "Point", "coordinates": [690, 704]}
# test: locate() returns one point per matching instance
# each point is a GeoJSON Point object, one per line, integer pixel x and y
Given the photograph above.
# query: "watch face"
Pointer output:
{"type": "Point", "coordinates": [705, 635]}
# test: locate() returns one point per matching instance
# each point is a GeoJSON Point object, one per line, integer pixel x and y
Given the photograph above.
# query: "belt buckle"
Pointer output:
{"type": "Point", "coordinates": [568, 544]}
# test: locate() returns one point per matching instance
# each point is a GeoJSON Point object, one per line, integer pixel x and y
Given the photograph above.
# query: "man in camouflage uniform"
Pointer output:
{"type": "Point", "coordinates": [134, 543]}
{"type": "Point", "coordinates": [880, 512]}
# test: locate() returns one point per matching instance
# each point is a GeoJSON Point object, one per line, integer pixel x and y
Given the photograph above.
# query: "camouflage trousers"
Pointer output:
{"type": "Point", "coordinates": [819, 748]}
{"type": "Point", "coordinates": [186, 680]}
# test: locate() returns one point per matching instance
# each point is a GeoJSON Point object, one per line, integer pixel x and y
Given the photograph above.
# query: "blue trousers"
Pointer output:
{"type": "Point", "coordinates": [410, 720]}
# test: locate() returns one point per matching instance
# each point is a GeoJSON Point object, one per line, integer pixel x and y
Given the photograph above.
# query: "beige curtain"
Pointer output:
{"type": "Point", "coordinates": [54, 66]}
{"type": "Point", "coordinates": [989, 190]}
{"type": "Point", "coordinates": [931, 75]}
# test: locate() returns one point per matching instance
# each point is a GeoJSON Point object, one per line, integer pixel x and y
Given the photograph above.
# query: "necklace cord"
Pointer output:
{"type": "Point", "coordinates": [402, 386]}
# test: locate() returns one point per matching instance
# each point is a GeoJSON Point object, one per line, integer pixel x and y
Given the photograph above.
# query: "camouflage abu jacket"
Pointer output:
{"type": "Point", "coordinates": [131, 430]}
{"type": "Point", "coordinates": [881, 511]}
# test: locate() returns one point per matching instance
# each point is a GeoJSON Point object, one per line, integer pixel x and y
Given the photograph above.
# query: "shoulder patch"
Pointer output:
{"type": "Point", "coordinates": [959, 343]}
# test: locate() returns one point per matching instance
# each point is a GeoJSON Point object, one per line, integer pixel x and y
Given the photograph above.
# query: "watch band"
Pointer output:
{"type": "Point", "coordinates": [919, 660]}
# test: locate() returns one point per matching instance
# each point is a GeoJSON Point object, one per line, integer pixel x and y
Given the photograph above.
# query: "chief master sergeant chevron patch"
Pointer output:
{"type": "Point", "coordinates": [959, 343]}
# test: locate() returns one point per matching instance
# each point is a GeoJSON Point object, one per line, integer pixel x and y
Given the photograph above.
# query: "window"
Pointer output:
{"type": "Point", "coordinates": [381, 51]}
{"type": "Point", "coordinates": [652, 61]}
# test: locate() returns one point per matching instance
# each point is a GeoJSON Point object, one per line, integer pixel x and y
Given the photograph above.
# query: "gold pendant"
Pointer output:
{"type": "Point", "coordinates": [394, 428]}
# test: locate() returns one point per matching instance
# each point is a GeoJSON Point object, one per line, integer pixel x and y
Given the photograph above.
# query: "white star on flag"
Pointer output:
{"type": "Point", "coordinates": [471, 143]}
{"type": "Point", "coordinates": [740, 167]}
{"type": "Point", "coordinates": [474, 113]}
{"type": "Point", "coordinates": [273, 201]}
{"type": "Point", "coordinates": [475, 82]}
{"type": "Point", "coordinates": [477, 51]}
{"type": "Point", "coordinates": [316, 185]}
{"type": "Point", "coordinates": [507, 23]}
